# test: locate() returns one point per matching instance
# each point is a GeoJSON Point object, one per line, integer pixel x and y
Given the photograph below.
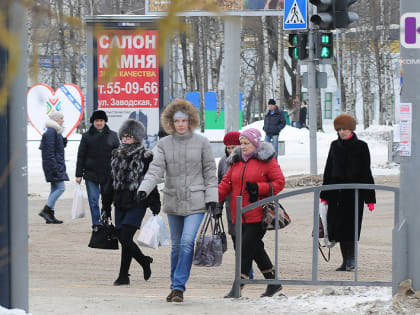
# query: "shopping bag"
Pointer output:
{"type": "Point", "coordinates": [77, 208]}
{"type": "Point", "coordinates": [163, 231]}
{"type": "Point", "coordinates": [149, 234]}
{"type": "Point", "coordinates": [209, 247]}
{"type": "Point", "coordinates": [323, 209]}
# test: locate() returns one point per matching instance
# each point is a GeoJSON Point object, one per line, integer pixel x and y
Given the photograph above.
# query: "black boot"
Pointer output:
{"type": "Point", "coordinates": [350, 263]}
{"type": "Point", "coordinates": [231, 293]}
{"type": "Point", "coordinates": [54, 219]}
{"type": "Point", "coordinates": [343, 250]}
{"type": "Point", "coordinates": [271, 288]}
{"type": "Point", "coordinates": [122, 280]}
{"type": "Point", "coordinates": [145, 263]}
{"type": "Point", "coordinates": [46, 214]}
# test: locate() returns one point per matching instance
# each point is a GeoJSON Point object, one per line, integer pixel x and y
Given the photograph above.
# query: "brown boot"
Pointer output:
{"type": "Point", "coordinates": [169, 297]}
{"type": "Point", "coordinates": [177, 296]}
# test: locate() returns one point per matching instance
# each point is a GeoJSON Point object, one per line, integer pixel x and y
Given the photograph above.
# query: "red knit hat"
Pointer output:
{"type": "Point", "coordinates": [232, 138]}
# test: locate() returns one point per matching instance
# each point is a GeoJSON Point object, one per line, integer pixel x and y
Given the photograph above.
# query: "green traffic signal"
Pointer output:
{"type": "Point", "coordinates": [325, 52]}
{"type": "Point", "coordinates": [324, 46]}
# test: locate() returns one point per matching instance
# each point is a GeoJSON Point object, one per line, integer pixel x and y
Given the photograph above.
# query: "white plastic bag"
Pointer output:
{"type": "Point", "coordinates": [323, 209]}
{"type": "Point", "coordinates": [163, 231]}
{"type": "Point", "coordinates": [149, 234]}
{"type": "Point", "coordinates": [154, 233]}
{"type": "Point", "coordinates": [77, 208]}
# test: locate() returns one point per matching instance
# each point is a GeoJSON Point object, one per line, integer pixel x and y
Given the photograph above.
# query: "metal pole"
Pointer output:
{"type": "Point", "coordinates": [337, 35]}
{"type": "Point", "coordinates": [18, 183]}
{"type": "Point", "coordinates": [232, 72]}
{"type": "Point", "coordinates": [409, 179]}
{"type": "Point", "coordinates": [312, 100]}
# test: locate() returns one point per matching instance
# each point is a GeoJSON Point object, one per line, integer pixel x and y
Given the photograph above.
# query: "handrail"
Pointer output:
{"type": "Point", "coordinates": [316, 191]}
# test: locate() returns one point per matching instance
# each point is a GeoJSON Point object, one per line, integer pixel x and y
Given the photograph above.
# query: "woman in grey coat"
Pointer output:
{"type": "Point", "coordinates": [185, 160]}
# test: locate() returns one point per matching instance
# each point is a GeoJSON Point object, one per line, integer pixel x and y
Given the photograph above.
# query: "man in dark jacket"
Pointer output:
{"type": "Point", "coordinates": [274, 122]}
{"type": "Point", "coordinates": [94, 164]}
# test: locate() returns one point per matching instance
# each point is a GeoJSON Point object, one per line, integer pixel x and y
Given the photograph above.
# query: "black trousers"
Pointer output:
{"type": "Point", "coordinates": [253, 248]}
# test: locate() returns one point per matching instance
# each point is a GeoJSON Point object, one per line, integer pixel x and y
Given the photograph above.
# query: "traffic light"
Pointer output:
{"type": "Point", "coordinates": [325, 16]}
{"type": "Point", "coordinates": [297, 49]}
{"type": "Point", "coordinates": [332, 14]}
{"type": "Point", "coordinates": [324, 45]}
{"type": "Point", "coordinates": [343, 17]}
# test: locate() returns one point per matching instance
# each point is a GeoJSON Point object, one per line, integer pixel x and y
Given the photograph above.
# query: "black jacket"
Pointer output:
{"type": "Point", "coordinates": [53, 161]}
{"type": "Point", "coordinates": [94, 154]}
{"type": "Point", "coordinates": [274, 123]}
{"type": "Point", "coordinates": [348, 162]}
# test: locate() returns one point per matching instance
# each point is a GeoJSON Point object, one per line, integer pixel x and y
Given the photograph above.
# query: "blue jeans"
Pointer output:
{"type": "Point", "coordinates": [183, 232]}
{"type": "Point", "coordinates": [56, 191]}
{"type": "Point", "coordinates": [93, 192]}
{"type": "Point", "coordinates": [275, 142]}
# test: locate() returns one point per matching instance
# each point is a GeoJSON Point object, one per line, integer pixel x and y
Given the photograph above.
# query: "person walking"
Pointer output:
{"type": "Point", "coordinates": [294, 114]}
{"type": "Point", "coordinates": [302, 115]}
{"type": "Point", "coordinates": [274, 122]}
{"type": "Point", "coordinates": [129, 163]}
{"type": "Point", "coordinates": [254, 174]}
{"type": "Point", "coordinates": [231, 141]}
{"type": "Point", "coordinates": [185, 160]}
{"type": "Point", "coordinates": [348, 162]}
{"type": "Point", "coordinates": [53, 163]}
{"type": "Point", "coordinates": [94, 165]}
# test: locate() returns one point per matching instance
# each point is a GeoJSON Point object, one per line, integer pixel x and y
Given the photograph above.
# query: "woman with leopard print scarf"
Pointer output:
{"type": "Point", "coordinates": [129, 163]}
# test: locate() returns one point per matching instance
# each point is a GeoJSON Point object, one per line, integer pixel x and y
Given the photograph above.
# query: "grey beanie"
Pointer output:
{"type": "Point", "coordinates": [133, 128]}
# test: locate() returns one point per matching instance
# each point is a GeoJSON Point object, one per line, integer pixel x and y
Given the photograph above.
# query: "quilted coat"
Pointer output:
{"type": "Point", "coordinates": [52, 147]}
{"type": "Point", "coordinates": [261, 169]}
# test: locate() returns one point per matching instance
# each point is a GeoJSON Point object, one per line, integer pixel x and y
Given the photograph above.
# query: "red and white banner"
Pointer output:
{"type": "Point", "coordinates": [134, 90]}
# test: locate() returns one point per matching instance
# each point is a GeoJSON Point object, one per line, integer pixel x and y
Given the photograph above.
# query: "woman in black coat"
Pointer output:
{"type": "Point", "coordinates": [53, 163]}
{"type": "Point", "coordinates": [348, 162]}
{"type": "Point", "coordinates": [129, 163]}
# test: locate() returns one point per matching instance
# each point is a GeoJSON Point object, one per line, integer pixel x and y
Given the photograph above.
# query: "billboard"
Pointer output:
{"type": "Point", "coordinates": [240, 7]}
{"type": "Point", "coordinates": [133, 91]}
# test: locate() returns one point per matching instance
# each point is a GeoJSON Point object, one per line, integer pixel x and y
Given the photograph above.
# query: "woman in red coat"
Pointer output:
{"type": "Point", "coordinates": [252, 169]}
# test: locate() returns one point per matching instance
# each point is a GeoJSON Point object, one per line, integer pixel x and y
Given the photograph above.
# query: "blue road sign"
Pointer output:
{"type": "Point", "coordinates": [295, 15]}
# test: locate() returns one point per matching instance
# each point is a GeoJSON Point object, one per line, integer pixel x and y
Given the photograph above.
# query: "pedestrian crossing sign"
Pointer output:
{"type": "Point", "coordinates": [295, 15]}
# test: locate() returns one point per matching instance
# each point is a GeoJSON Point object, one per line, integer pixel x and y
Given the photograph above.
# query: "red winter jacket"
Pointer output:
{"type": "Point", "coordinates": [262, 169]}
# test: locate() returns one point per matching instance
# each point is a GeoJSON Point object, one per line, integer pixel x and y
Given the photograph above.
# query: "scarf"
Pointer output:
{"type": "Point", "coordinates": [129, 164]}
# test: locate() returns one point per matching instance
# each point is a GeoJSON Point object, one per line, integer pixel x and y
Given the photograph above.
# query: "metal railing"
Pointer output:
{"type": "Point", "coordinates": [314, 281]}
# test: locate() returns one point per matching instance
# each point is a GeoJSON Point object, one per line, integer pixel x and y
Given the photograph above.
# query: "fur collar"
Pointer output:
{"type": "Point", "coordinates": [129, 164]}
{"type": "Point", "coordinates": [53, 124]}
{"type": "Point", "coordinates": [264, 153]}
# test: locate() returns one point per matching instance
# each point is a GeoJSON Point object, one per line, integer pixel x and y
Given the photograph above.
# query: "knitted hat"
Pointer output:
{"type": "Point", "coordinates": [98, 114]}
{"type": "Point", "coordinates": [271, 102]}
{"type": "Point", "coordinates": [344, 121]}
{"type": "Point", "coordinates": [55, 115]}
{"type": "Point", "coordinates": [232, 138]}
{"type": "Point", "coordinates": [133, 128]}
{"type": "Point", "coordinates": [253, 135]}
{"type": "Point", "coordinates": [179, 114]}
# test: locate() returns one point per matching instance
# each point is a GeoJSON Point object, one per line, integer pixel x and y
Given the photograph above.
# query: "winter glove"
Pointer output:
{"type": "Point", "coordinates": [153, 200]}
{"type": "Point", "coordinates": [371, 206]}
{"type": "Point", "coordinates": [155, 209]}
{"type": "Point", "coordinates": [65, 141]}
{"type": "Point", "coordinates": [213, 208]}
{"type": "Point", "coordinates": [141, 195]}
{"type": "Point", "coordinates": [323, 201]}
{"type": "Point", "coordinates": [252, 189]}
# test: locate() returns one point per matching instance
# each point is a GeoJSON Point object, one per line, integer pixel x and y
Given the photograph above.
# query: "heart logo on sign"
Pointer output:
{"type": "Point", "coordinates": [43, 100]}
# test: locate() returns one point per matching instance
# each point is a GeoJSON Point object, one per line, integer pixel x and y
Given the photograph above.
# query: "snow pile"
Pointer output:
{"type": "Point", "coordinates": [14, 311]}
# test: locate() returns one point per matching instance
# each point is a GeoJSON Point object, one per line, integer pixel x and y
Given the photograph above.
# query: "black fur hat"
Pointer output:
{"type": "Point", "coordinates": [133, 128]}
{"type": "Point", "coordinates": [344, 121]}
{"type": "Point", "coordinates": [98, 114]}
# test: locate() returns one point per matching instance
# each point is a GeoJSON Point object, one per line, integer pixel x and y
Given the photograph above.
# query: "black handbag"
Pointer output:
{"type": "Point", "coordinates": [269, 216]}
{"type": "Point", "coordinates": [209, 248]}
{"type": "Point", "coordinates": [104, 236]}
